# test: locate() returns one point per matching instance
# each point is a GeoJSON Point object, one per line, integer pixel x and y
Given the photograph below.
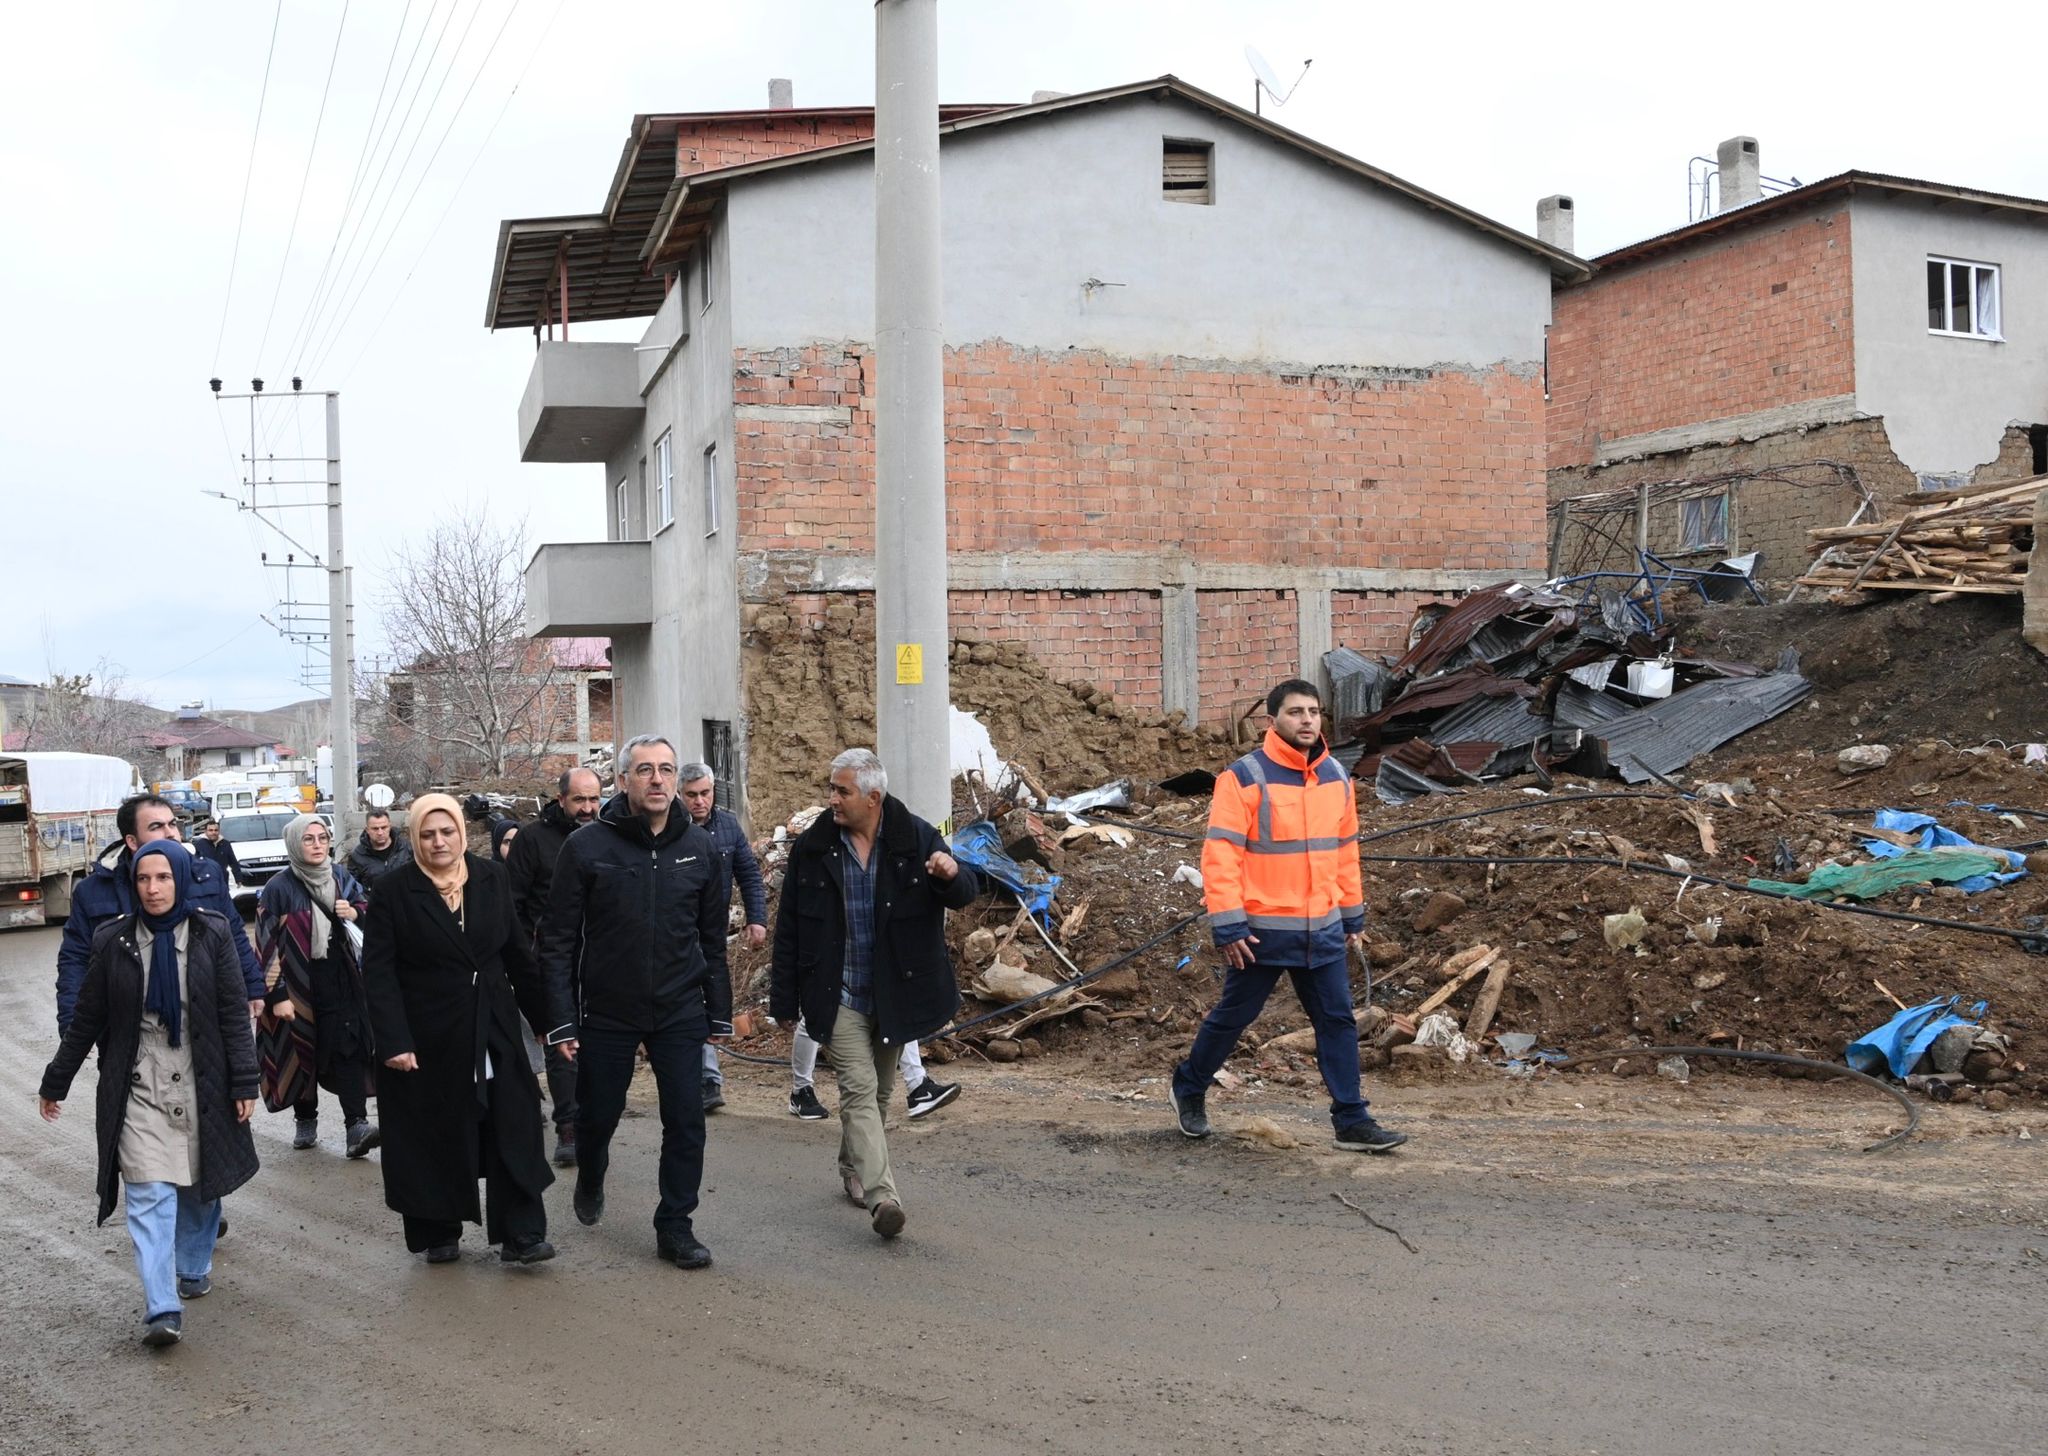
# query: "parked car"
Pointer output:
{"type": "Point", "coordinates": [191, 805]}
{"type": "Point", "coordinates": [258, 839]}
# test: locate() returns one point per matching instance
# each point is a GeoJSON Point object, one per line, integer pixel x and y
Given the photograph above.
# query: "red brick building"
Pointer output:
{"type": "Point", "coordinates": [1217, 396]}
{"type": "Point", "coordinates": [1765, 368]}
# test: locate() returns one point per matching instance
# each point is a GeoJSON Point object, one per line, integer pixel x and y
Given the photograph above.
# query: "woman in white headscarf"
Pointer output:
{"type": "Point", "coordinates": [316, 989]}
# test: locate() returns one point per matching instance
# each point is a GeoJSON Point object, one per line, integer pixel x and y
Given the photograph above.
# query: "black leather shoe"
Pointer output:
{"type": "Point", "coordinates": [589, 1205]}
{"type": "Point", "coordinates": [444, 1253]}
{"type": "Point", "coordinates": [565, 1147]}
{"type": "Point", "coordinates": [683, 1251]}
{"type": "Point", "coordinates": [533, 1251]}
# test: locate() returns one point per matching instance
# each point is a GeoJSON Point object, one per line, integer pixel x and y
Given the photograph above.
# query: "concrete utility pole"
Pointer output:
{"type": "Point", "coordinates": [341, 676]}
{"type": "Point", "coordinates": [912, 680]}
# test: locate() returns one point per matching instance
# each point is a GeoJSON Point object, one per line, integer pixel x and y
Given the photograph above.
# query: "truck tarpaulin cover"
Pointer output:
{"type": "Point", "coordinates": [76, 783]}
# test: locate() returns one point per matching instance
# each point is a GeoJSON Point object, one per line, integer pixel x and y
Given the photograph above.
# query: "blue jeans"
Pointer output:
{"type": "Point", "coordinates": [173, 1233]}
{"type": "Point", "coordinates": [1325, 994]}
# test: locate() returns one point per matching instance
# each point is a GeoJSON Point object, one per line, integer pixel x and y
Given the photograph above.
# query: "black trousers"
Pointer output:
{"type": "Point", "coordinates": [604, 1071]}
{"type": "Point", "coordinates": [511, 1213]}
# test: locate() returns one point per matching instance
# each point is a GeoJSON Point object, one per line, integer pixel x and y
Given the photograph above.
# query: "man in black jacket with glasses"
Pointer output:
{"type": "Point", "coordinates": [636, 916]}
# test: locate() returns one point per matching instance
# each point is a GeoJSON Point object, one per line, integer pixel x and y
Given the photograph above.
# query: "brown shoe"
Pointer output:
{"type": "Point", "coordinates": [855, 1194]}
{"type": "Point", "coordinates": [888, 1218]}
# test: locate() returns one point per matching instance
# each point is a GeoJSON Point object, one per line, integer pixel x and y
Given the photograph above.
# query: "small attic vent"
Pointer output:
{"type": "Point", "coordinates": [1185, 175]}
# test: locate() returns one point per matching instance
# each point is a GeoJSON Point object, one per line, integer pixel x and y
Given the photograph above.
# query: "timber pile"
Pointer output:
{"type": "Point", "coordinates": [1978, 543]}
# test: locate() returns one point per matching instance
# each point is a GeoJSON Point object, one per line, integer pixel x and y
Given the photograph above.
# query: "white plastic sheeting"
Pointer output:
{"type": "Point", "coordinates": [77, 783]}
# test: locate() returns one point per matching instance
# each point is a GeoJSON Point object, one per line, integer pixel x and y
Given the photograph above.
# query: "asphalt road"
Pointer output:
{"type": "Point", "coordinates": [1601, 1266]}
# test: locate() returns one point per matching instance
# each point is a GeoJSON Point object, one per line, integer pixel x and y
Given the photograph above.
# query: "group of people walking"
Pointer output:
{"type": "Point", "coordinates": [602, 926]}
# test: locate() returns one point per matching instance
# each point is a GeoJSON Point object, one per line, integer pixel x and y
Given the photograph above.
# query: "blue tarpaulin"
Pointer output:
{"type": "Point", "coordinates": [1933, 836]}
{"type": "Point", "coordinates": [979, 845]}
{"type": "Point", "coordinates": [1897, 1045]}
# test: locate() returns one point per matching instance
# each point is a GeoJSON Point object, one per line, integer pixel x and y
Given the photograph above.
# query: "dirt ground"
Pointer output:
{"type": "Point", "coordinates": [1599, 1264]}
{"type": "Point", "coordinates": [1899, 670]}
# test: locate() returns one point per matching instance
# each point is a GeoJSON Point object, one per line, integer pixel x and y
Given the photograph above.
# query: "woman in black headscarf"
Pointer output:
{"type": "Point", "coordinates": [318, 989]}
{"type": "Point", "coordinates": [164, 1002]}
{"type": "Point", "coordinates": [448, 976]}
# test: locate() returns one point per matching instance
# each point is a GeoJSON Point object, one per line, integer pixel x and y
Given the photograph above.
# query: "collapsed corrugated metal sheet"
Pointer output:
{"type": "Point", "coordinates": [1409, 770]}
{"type": "Point", "coordinates": [1578, 706]}
{"type": "Point", "coordinates": [1454, 630]}
{"type": "Point", "coordinates": [1358, 685]}
{"type": "Point", "coordinates": [1667, 736]}
{"type": "Point", "coordinates": [1448, 691]}
{"type": "Point", "coordinates": [1490, 720]}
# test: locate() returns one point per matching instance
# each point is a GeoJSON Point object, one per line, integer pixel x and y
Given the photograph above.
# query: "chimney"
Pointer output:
{"type": "Point", "coordinates": [781, 94]}
{"type": "Point", "coordinates": [1554, 221]}
{"type": "Point", "coordinates": [1038, 97]}
{"type": "Point", "coordinates": [1741, 173]}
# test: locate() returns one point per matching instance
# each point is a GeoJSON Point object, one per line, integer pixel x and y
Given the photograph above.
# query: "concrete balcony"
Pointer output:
{"type": "Point", "coordinates": [590, 589]}
{"type": "Point", "coordinates": [582, 403]}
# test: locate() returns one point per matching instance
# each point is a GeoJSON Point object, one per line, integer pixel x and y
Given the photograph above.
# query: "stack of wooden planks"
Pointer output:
{"type": "Point", "coordinates": [1976, 543]}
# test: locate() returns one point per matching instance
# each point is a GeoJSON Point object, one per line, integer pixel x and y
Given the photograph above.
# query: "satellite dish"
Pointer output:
{"type": "Point", "coordinates": [1267, 82]}
{"type": "Point", "coordinates": [379, 796]}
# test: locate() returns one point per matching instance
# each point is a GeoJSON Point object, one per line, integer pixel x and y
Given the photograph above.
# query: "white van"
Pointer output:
{"type": "Point", "coordinates": [257, 834]}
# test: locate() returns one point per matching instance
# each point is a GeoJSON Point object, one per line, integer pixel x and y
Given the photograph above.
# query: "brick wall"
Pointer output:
{"type": "Point", "coordinates": [1757, 320]}
{"type": "Point", "coordinates": [1375, 623]}
{"type": "Point", "coordinates": [1249, 641]}
{"type": "Point", "coordinates": [1112, 639]}
{"type": "Point", "coordinates": [706, 146]}
{"type": "Point", "coordinates": [1405, 469]}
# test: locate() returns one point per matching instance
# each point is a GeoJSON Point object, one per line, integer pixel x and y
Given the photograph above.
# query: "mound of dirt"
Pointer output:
{"type": "Point", "coordinates": [810, 692]}
{"type": "Point", "coordinates": [1898, 670]}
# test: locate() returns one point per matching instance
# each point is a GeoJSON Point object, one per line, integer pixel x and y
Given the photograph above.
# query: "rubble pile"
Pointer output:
{"type": "Point", "coordinates": [1523, 911]}
{"type": "Point", "coordinates": [1519, 679]}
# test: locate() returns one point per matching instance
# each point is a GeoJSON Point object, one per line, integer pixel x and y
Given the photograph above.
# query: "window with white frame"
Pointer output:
{"type": "Point", "coordinates": [664, 482]}
{"type": "Point", "coordinates": [711, 490]}
{"type": "Point", "coordinates": [1705, 525]}
{"type": "Point", "coordinates": [622, 522]}
{"type": "Point", "coordinates": [1962, 299]}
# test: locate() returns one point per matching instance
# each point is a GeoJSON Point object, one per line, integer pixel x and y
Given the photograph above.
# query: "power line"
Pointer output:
{"type": "Point", "coordinates": [322, 324]}
{"type": "Point", "coordinates": [420, 181]}
{"type": "Point", "coordinates": [482, 147]}
{"type": "Point", "coordinates": [242, 216]}
{"type": "Point", "coordinates": [292, 233]}
{"type": "Point", "coordinates": [372, 133]}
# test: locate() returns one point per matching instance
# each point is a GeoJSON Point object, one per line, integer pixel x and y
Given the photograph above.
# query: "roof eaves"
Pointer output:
{"type": "Point", "coordinates": [1796, 197]}
{"type": "Point", "coordinates": [513, 227]}
{"type": "Point", "coordinates": [1562, 264]}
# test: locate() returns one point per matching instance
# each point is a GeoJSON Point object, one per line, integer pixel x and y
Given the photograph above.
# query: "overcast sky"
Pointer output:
{"type": "Point", "coordinates": [125, 134]}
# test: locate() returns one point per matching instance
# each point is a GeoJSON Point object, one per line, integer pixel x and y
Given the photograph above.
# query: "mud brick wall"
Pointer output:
{"type": "Point", "coordinates": [1773, 516]}
{"type": "Point", "coordinates": [1249, 641]}
{"type": "Point", "coordinates": [1759, 320]}
{"type": "Point", "coordinates": [1084, 451]}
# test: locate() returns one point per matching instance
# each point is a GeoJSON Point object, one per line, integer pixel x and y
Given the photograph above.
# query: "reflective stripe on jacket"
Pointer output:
{"type": "Point", "coordinates": [1281, 858]}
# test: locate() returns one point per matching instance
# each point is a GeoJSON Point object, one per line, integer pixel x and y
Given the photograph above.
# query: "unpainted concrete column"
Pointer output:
{"type": "Point", "coordinates": [1312, 610]}
{"type": "Point", "coordinates": [1180, 681]}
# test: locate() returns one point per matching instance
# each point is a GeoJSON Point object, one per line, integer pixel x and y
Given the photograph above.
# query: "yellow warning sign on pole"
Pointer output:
{"type": "Point", "coordinates": [909, 664]}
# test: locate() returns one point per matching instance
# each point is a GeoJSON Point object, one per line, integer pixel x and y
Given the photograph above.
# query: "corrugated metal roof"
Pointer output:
{"type": "Point", "coordinates": [1664, 738]}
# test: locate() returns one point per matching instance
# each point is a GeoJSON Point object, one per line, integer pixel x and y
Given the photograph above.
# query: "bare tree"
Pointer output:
{"type": "Point", "coordinates": [470, 682]}
{"type": "Point", "coordinates": [85, 713]}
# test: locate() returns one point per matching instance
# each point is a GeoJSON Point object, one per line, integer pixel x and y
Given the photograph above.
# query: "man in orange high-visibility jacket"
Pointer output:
{"type": "Point", "coordinates": [1280, 875]}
